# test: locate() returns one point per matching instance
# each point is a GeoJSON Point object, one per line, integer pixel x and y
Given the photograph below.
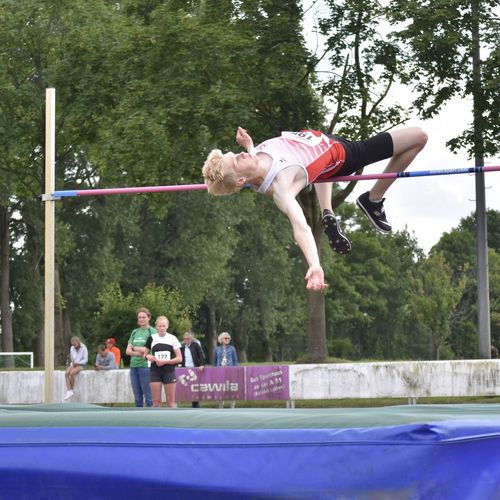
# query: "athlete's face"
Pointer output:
{"type": "Point", "coordinates": [161, 327]}
{"type": "Point", "coordinates": [242, 164]}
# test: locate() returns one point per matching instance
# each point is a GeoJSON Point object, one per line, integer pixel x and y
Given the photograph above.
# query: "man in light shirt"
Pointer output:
{"type": "Point", "coordinates": [104, 360]}
{"type": "Point", "coordinates": [192, 356]}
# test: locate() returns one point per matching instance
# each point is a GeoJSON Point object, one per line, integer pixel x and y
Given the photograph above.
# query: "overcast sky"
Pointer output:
{"type": "Point", "coordinates": [429, 206]}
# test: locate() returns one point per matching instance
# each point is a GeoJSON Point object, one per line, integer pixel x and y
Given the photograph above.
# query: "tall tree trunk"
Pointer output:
{"type": "Point", "coordinates": [318, 352]}
{"type": "Point", "coordinates": [60, 345]}
{"type": "Point", "coordinates": [66, 332]}
{"type": "Point", "coordinates": [34, 244]}
{"type": "Point", "coordinates": [242, 340]}
{"type": "Point", "coordinates": [40, 338]}
{"type": "Point", "coordinates": [435, 345]}
{"type": "Point", "coordinates": [268, 352]}
{"type": "Point", "coordinates": [266, 336]}
{"type": "Point", "coordinates": [211, 333]}
{"type": "Point", "coordinates": [5, 311]}
{"type": "Point", "coordinates": [317, 328]}
{"type": "Point", "coordinates": [483, 286]}
{"type": "Point", "coordinates": [242, 355]}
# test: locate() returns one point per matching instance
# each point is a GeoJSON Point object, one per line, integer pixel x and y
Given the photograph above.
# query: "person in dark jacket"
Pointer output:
{"type": "Point", "coordinates": [192, 356]}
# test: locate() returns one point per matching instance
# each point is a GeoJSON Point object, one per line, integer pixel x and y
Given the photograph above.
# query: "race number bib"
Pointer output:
{"type": "Point", "coordinates": [162, 355]}
{"type": "Point", "coordinates": [304, 136]}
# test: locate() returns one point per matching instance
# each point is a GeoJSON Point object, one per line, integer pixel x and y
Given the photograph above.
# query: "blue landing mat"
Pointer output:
{"type": "Point", "coordinates": [455, 457]}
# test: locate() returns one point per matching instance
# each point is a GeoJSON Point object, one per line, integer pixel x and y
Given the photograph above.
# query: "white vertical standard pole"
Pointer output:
{"type": "Point", "coordinates": [50, 148]}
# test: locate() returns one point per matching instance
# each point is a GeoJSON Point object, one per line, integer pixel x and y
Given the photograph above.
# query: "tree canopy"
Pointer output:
{"type": "Point", "coordinates": [144, 90]}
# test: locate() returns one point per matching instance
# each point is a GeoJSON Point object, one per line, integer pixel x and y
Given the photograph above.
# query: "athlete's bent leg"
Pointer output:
{"type": "Point", "coordinates": [338, 241]}
{"type": "Point", "coordinates": [407, 143]}
{"type": "Point", "coordinates": [324, 195]}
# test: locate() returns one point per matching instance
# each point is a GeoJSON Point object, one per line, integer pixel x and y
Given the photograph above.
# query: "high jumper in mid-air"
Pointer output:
{"type": "Point", "coordinates": [282, 166]}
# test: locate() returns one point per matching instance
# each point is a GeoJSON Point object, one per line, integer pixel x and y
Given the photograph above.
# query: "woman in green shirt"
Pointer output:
{"type": "Point", "coordinates": [139, 370]}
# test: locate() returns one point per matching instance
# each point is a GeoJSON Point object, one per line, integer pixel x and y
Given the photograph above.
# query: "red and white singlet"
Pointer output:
{"type": "Point", "coordinates": [319, 155]}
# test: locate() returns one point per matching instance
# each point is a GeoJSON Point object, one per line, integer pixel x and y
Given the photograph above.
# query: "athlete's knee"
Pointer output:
{"type": "Point", "coordinates": [420, 137]}
{"type": "Point", "coordinates": [408, 139]}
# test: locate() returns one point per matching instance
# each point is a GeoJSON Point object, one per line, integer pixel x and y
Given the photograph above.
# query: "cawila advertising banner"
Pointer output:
{"type": "Point", "coordinates": [210, 384]}
{"type": "Point", "coordinates": [232, 383]}
{"type": "Point", "coordinates": [267, 382]}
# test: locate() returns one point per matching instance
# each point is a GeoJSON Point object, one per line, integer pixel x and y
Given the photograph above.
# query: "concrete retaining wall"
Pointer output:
{"type": "Point", "coordinates": [90, 387]}
{"type": "Point", "coordinates": [412, 379]}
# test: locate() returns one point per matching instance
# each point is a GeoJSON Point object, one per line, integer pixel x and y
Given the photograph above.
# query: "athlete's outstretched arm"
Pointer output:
{"type": "Point", "coordinates": [303, 236]}
{"type": "Point", "coordinates": [243, 139]}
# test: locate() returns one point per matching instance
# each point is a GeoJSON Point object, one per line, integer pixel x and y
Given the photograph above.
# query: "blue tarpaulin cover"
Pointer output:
{"type": "Point", "coordinates": [453, 456]}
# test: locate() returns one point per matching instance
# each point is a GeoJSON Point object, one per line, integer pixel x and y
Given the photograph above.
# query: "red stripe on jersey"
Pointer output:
{"type": "Point", "coordinates": [330, 160]}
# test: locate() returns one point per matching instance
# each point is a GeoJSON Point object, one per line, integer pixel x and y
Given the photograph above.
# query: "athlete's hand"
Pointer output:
{"type": "Point", "coordinates": [243, 139]}
{"type": "Point", "coordinates": [315, 279]}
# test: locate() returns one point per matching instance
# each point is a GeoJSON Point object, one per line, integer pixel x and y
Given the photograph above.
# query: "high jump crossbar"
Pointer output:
{"type": "Point", "coordinates": [56, 195]}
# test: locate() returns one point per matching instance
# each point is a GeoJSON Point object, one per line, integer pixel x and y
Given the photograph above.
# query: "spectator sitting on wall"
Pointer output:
{"type": "Point", "coordinates": [104, 359]}
{"type": "Point", "coordinates": [78, 358]}
{"type": "Point", "coordinates": [112, 348]}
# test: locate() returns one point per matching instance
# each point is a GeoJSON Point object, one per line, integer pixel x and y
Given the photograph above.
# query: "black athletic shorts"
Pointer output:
{"type": "Point", "coordinates": [358, 154]}
{"type": "Point", "coordinates": [159, 375]}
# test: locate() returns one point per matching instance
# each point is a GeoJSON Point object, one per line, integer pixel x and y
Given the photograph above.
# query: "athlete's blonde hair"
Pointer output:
{"type": "Point", "coordinates": [218, 182]}
{"type": "Point", "coordinates": [162, 318]}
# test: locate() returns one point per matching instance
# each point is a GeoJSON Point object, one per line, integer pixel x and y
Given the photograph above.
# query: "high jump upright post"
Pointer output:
{"type": "Point", "coordinates": [50, 155]}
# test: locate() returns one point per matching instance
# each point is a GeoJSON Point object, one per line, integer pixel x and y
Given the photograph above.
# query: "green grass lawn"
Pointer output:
{"type": "Point", "coordinates": [340, 403]}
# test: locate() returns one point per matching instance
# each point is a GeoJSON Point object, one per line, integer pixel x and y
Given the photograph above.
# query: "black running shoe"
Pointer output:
{"type": "Point", "coordinates": [336, 238]}
{"type": "Point", "coordinates": [375, 212]}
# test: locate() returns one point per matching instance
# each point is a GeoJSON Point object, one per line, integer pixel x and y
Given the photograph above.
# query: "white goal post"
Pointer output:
{"type": "Point", "coordinates": [14, 354]}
